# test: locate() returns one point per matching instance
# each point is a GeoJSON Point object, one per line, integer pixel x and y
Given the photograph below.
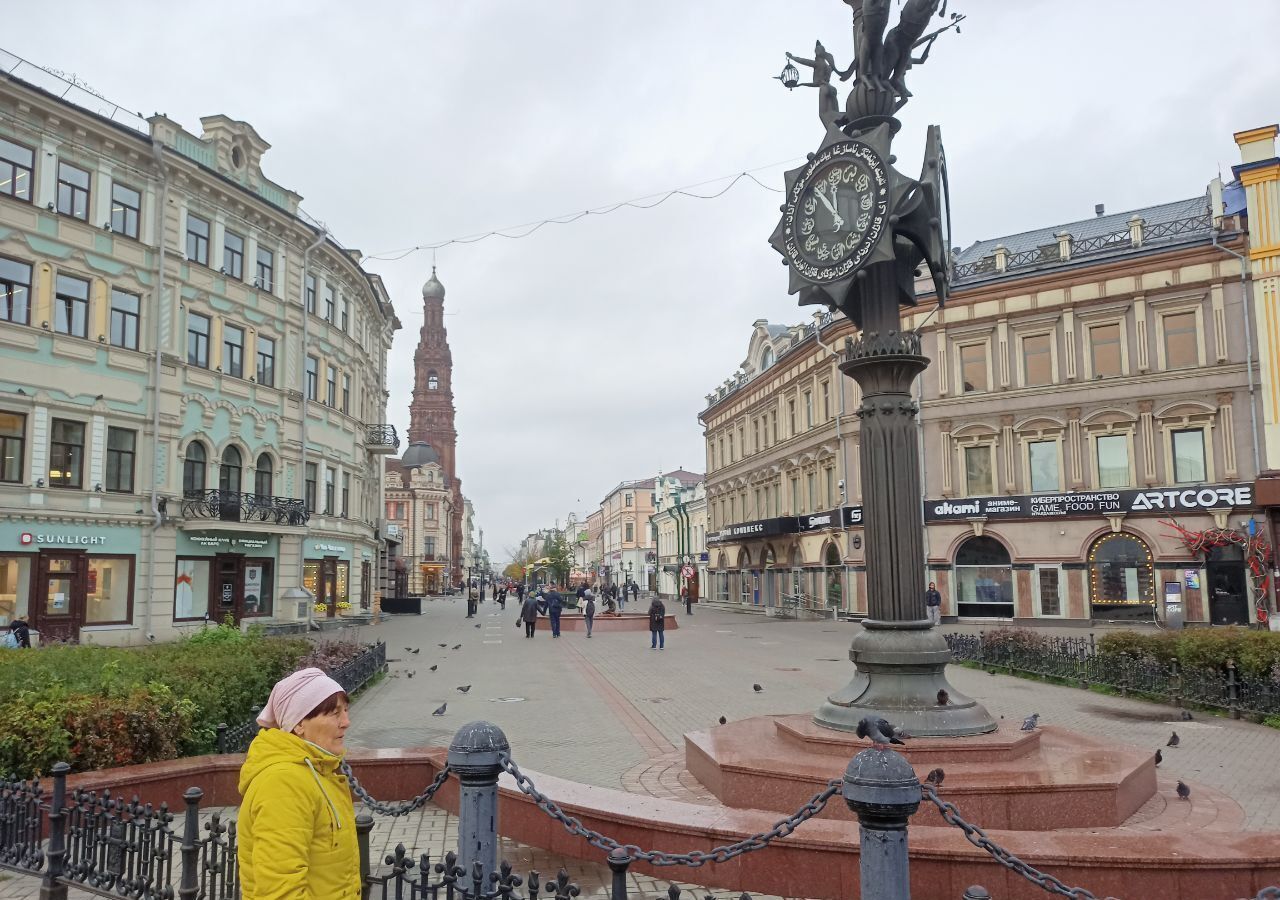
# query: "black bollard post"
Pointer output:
{"type": "Point", "coordinates": [475, 755]}
{"type": "Point", "coordinates": [882, 790]}
{"type": "Point", "coordinates": [50, 887]}
{"type": "Point", "coordinates": [364, 825]}
{"type": "Point", "coordinates": [619, 861]}
{"type": "Point", "coordinates": [189, 879]}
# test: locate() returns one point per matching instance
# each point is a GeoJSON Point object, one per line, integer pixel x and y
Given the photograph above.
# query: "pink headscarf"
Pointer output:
{"type": "Point", "coordinates": [295, 696]}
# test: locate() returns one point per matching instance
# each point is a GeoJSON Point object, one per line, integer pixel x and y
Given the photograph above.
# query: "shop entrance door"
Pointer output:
{"type": "Point", "coordinates": [328, 593]}
{"type": "Point", "coordinates": [228, 591]}
{"type": "Point", "coordinates": [1228, 586]}
{"type": "Point", "coordinates": [692, 586]}
{"type": "Point", "coordinates": [58, 596]}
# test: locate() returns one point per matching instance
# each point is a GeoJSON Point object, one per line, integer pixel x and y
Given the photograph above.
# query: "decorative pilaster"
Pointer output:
{"type": "Point", "coordinates": [1140, 333]}
{"type": "Point", "coordinates": [1002, 352]}
{"type": "Point", "coordinates": [1074, 448]}
{"type": "Point", "coordinates": [947, 456]}
{"type": "Point", "coordinates": [1147, 432]}
{"type": "Point", "coordinates": [1008, 450]}
{"type": "Point", "coordinates": [1226, 428]}
{"type": "Point", "coordinates": [1069, 343]}
{"type": "Point", "coordinates": [1219, 312]}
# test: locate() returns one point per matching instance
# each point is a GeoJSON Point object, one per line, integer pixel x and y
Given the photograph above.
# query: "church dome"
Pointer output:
{"type": "Point", "coordinates": [433, 289]}
{"type": "Point", "coordinates": [419, 454]}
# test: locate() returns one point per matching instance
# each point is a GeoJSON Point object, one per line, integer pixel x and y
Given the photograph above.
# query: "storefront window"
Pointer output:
{"type": "Point", "coordinates": [831, 577]}
{"type": "Point", "coordinates": [984, 578]}
{"type": "Point", "coordinates": [258, 599]}
{"type": "Point", "coordinates": [15, 587]}
{"type": "Point", "coordinates": [108, 586]}
{"type": "Point", "coordinates": [1121, 578]}
{"type": "Point", "coordinates": [191, 589]}
{"type": "Point", "coordinates": [311, 577]}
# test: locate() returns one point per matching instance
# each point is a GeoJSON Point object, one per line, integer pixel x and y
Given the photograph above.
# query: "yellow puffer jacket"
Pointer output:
{"type": "Point", "coordinates": [297, 826]}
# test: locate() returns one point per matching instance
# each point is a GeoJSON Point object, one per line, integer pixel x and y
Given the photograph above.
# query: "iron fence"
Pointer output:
{"type": "Point", "coordinates": [352, 675]}
{"type": "Point", "coordinates": [1079, 660]}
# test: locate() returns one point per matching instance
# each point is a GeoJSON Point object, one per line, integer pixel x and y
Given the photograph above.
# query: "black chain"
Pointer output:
{"type": "Point", "coordinates": [979, 839]}
{"type": "Point", "coordinates": [694, 859]}
{"type": "Point", "coordinates": [394, 809]}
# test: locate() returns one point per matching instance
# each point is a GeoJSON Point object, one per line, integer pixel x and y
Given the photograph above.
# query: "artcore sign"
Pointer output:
{"type": "Point", "coordinates": [1198, 498]}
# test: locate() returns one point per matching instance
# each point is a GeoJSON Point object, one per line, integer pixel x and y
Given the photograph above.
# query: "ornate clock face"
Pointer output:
{"type": "Point", "coordinates": [836, 212]}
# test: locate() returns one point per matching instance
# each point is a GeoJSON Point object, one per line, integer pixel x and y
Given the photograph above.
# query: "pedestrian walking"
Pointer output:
{"type": "Point", "coordinates": [529, 614]}
{"type": "Point", "coordinates": [635, 591]}
{"type": "Point", "coordinates": [688, 600]}
{"type": "Point", "coordinates": [589, 609]}
{"type": "Point", "coordinates": [555, 605]}
{"type": "Point", "coordinates": [657, 625]}
{"type": "Point", "coordinates": [621, 597]}
{"type": "Point", "coordinates": [473, 602]}
{"type": "Point", "coordinates": [933, 604]}
{"type": "Point", "coordinates": [297, 825]}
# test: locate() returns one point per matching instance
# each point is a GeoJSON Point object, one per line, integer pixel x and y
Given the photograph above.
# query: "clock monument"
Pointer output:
{"type": "Point", "coordinates": [854, 234]}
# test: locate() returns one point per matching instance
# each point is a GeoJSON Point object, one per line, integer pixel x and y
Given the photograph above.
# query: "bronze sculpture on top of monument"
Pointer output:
{"type": "Point", "coordinates": [855, 234]}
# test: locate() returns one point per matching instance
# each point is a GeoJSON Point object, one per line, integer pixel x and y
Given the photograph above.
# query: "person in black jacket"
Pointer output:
{"type": "Point", "coordinates": [657, 625]}
{"type": "Point", "coordinates": [589, 609]}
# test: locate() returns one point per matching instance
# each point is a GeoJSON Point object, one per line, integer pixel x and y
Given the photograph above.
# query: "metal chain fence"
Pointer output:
{"type": "Point", "coordinates": [395, 810]}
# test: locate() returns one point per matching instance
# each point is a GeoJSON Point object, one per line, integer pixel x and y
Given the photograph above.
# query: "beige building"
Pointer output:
{"type": "Point", "coordinates": [419, 504]}
{"type": "Point", "coordinates": [1089, 390]}
{"type": "Point", "coordinates": [192, 383]}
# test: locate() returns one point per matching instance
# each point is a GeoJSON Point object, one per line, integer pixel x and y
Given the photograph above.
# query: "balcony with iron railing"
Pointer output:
{"type": "Point", "coordinates": [234, 506]}
{"type": "Point", "coordinates": [381, 438]}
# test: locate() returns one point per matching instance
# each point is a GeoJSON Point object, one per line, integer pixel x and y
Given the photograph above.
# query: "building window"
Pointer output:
{"type": "Point", "coordinates": [73, 191]}
{"type": "Point", "coordinates": [17, 170]}
{"type": "Point", "coordinates": [626, 499]}
{"type": "Point", "coordinates": [630, 533]}
{"type": "Point", "coordinates": [1104, 349]}
{"type": "Point", "coordinates": [229, 471]}
{"type": "Point", "coordinates": [313, 377]}
{"type": "Point", "coordinates": [1042, 462]}
{"type": "Point", "coordinates": [331, 385]}
{"type": "Point", "coordinates": [766, 358]}
{"type": "Point", "coordinates": [266, 350]}
{"type": "Point", "coordinates": [795, 495]}
{"type": "Point", "coordinates": [262, 476]}
{"type": "Point", "coordinates": [830, 475]}
{"type": "Point", "coordinates": [826, 400]}
{"type": "Point", "coordinates": [311, 294]}
{"type": "Point", "coordinates": [1113, 460]}
{"type": "Point", "coordinates": [732, 456]}
{"type": "Point", "coordinates": [71, 306]}
{"type": "Point", "coordinates": [328, 304]}
{"type": "Point", "coordinates": [265, 276]}
{"type": "Point", "coordinates": [431, 512]}
{"type": "Point", "coordinates": [1047, 587]}
{"type": "Point", "coordinates": [791, 418]}
{"type": "Point", "coordinates": [124, 319]}
{"type": "Point", "coordinates": [346, 392]}
{"type": "Point", "coordinates": [197, 239]}
{"type": "Point", "coordinates": [346, 493]}
{"type": "Point", "coordinates": [755, 434]}
{"type": "Point", "coordinates": [978, 474]}
{"type": "Point", "coordinates": [311, 487]}
{"type": "Point", "coordinates": [1037, 360]}
{"type": "Point", "coordinates": [973, 368]}
{"type": "Point", "coordinates": [126, 208]}
{"type": "Point", "coordinates": [429, 547]}
{"type": "Point", "coordinates": [433, 381]}
{"type": "Point", "coordinates": [328, 490]}
{"type": "Point", "coordinates": [984, 579]}
{"type": "Point", "coordinates": [109, 589]}
{"type": "Point", "coordinates": [197, 340]}
{"type": "Point", "coordinates": [1181, 345]}
{"type": "Point", "coordinates": [1188, 456]}
{"type": "Point", "coordinates": [1121, 578]}
{"type": "Point", "coordinates": [233, 255]}
{"type": "Point", "coordinates": [808, 409]}
{"type": "Point", "coordinates": [121, 450]}
{"type": "Point", "coordinates": [773, 426]}
{"type": "Point", "coordinates": [233, 350]}
{"type": "Point", "coordinates": [15, 291]}
{"type": "Point", "coordinates": [12, 448]}
{"type": "Point", "coordinates": [191, 589]}
{"type": "Point", "coordinates": [193, 469]}
{"type": "Point", "coordinates": [811, 482]}
{"type": "Point", "coordinates": [345, 308]}
{"type": "Point", "coordinates": [66, 454]}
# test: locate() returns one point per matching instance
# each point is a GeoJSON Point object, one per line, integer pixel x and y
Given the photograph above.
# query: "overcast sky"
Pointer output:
{"type": "Point", "coordinates": [582, 353]}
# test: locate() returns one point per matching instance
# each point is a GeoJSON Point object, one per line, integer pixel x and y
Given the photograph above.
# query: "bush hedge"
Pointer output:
{"type": "Point", "coordinates": [96, 707]}
{"type": "Point", "coordinates": [1254, 652]}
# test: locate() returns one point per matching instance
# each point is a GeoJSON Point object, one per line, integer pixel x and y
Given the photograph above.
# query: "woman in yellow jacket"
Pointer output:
{"type": "Point", "coordinates": [297, 826]}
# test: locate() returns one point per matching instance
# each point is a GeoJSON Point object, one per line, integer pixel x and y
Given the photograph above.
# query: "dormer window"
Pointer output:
{"type": "Point", "coordinates": [766, 360]}
{"type": "Point", "coordinates": [433, 381]}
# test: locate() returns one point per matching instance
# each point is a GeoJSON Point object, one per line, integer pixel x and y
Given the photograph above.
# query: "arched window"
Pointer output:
{"type": "Point", "coordinates": [433, 381]}
{"type": "Point", "coordinates": [833, 572]}
{"type": "Point", "coordinates": [722, 579]}
{"type": "Point", "coordinates": [193, 467]}
{"type": "Point", "coordinates": [1121, 578]}
{"type": "Point", "coordinates": [262, 476]}
{"type": "Point", "coordinates": [229, 471]}
{"type": "Point", "coordinates": [766, 358]}
{"type": "Point", "coordinates": [984, 578]}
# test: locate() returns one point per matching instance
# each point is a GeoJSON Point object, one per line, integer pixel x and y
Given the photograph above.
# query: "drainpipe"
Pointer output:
{"type": "Point", "coordinates": [1248, 348]}
{"type": "Point", "coordinates": [157, 152]}
{"type": "Point", "coordinates": [306, 333]}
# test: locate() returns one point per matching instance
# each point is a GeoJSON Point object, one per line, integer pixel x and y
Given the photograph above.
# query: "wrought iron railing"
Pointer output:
{"type": "Point", "coordinates": [1079, 660]}
{"type": "Point", "coordinates": [234, 506]}
{"type": "Point", "coordinates": [381, 436]}
{"type": "Point", "coordinates": [352, 675]}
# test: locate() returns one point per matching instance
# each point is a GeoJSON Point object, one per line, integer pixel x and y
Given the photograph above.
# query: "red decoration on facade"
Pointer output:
{"type": "Point", "coordinates": [1257, 556]}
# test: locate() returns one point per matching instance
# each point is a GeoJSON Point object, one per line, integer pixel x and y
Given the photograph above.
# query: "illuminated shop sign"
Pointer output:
{"type": "Point", "coordinates": [1197, 498]}
{"type": "Point", "coordinates": [28, 538]}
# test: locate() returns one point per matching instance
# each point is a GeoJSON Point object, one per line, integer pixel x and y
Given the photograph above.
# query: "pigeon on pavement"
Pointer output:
{"type": "Point", "coordinates": [943, 698]}
{"type": "Point", "coordinates": [935, 777]}
{"type": "Point", "coordinates": [457, 646]}
{"type": "Point", "coordinates": [1159, 757]}
{"type": "Point", "coordinates": [1184, 792]}
{"type": "Point", "coordinates": [440, 711]}
{"type": "Point", "coordinates": [411, 673]}
{"type": "Point", "coordinates": [756, 688]}
{"type": "Point", "coordinates": [436, 666]}
{"type": "Point", "coordinates": [442, 645]}
{"type": "Point", "coordinates": [464, 688]}
{"type": "Point", "coordinates": [1030, 722]}
{"type": "Point", "coordinates": [879, 731]}
{"type": "Point", "coordinates": [477, 624]}
{"type": "Point", "coordinates": [1186, 716]}
{"type": "Point", "coordinates": [1174, 740]}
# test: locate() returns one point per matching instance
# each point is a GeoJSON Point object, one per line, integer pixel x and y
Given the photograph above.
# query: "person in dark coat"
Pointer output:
{"type": "Point", "coordinates": [688, 600]}
{"type": "Point", "coordinates": [555, 605]}
{"type": "Point", "coordinates": [589, 609]}
{"type": "Point", "coordinates": [635, 591]}
{"type": "Point", "coordinates": [657, 625]}
{"type": "Point", "coordinates": [529, 614]}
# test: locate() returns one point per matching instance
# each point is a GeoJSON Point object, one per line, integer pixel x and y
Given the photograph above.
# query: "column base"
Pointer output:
{"type": "Point", "coordinates": [900, 670]}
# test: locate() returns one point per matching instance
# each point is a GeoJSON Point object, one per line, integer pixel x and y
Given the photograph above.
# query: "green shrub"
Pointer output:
{"type": "Point", "coordinates": [1255, 652]}
{"type": "Point", "coordinates": [1161, 646]}
{"type": "Point", "coordinates": [1012, 640]}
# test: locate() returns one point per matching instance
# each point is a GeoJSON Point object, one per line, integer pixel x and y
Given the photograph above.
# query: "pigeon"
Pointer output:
{"type": "Point", "coordinates": [1174, 740]}
{"type": "Point", "coordinates": [879, 731]}
{"type": "Point", "coordinates": [935, 777]}
{"type": "Point", "coordinates": [1030, 722]}
{"type": "Point", "coordinates": [1186, 716]}
{"type": "Point", "coordinates": [408, 649]}
{"type": "Point", "coordinates": [943, 698]}
{"type": "Point", "coordinates": [440, 711]}
{"type": "Point", "coordinates": [413, 649]}
{"type": "Point", "coordinates": [477, 624]}
{"type": "Point", "coordinates": [436, 666]}
{"type": "Point", "coordinates": [457, 646]}
{"type": "Point", "coordinates": [1159, 757]}
{"type": "Point", "coordinates": [1184, 792]}
{"type": "Point", "coordinates": [442, 645]}
{"type": "Point", "coordinates": [464, 688]}
{"type": "Point", "coordinates": [411, 674]}
{"type": "Point", "coordinates": [756, 688]}
{"type": "Point", "coordinates": [723, 720]}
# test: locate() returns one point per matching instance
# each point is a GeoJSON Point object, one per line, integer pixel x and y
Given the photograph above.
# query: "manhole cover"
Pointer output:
{"type": "Point", "coordinates": [786, 670]}
{"type": "Point", "coordinates": [506, 699]}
